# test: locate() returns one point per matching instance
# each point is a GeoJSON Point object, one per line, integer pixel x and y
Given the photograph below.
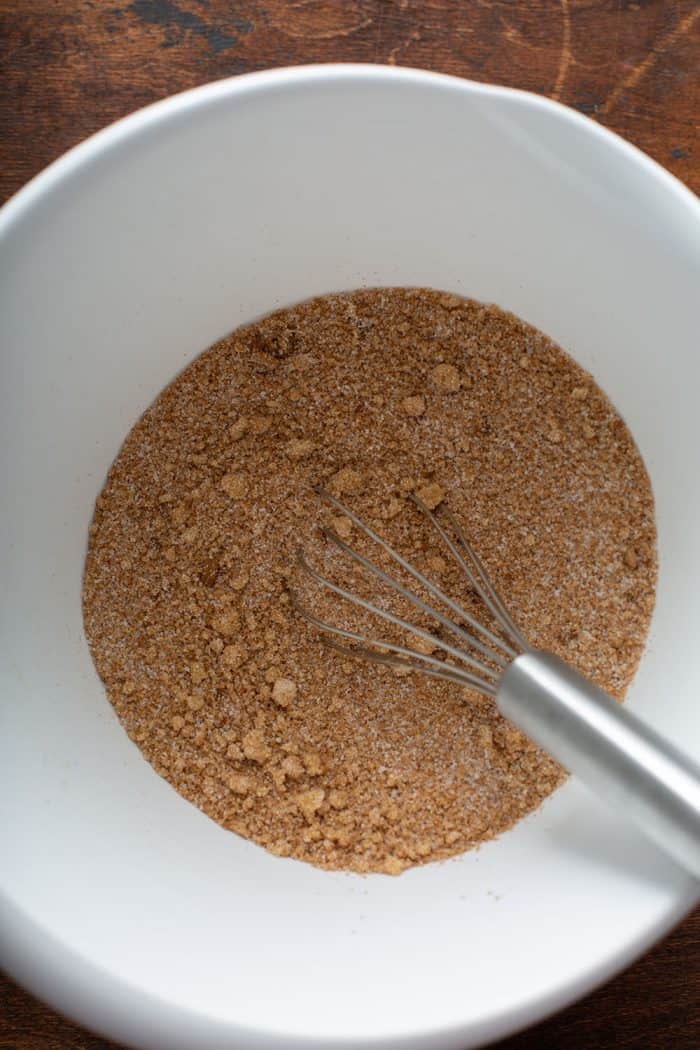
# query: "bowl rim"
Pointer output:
{"type": "Point", "coordinates": [53, 970]}
{"type": "Point", "coordinates": [173, 105]}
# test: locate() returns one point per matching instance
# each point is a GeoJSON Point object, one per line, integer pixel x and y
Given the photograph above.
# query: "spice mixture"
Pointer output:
{"type": "Point", "coordinates": [191, 568]}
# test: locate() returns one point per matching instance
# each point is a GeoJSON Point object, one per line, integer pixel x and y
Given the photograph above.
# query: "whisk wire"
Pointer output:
{"type": "Point", "coordinates": [428, 665]}
{"type": "Point", "coordinates": [384, 614]}
{"type": "Point", "coordinates": [481, 584]}
{"type": "Point", "coordinates": [483, 677]}
{"type": "Point", "coordinates": [415, 600]}
{"type": "Point", "coordinates": [496, 605]}
{"type": "Point", "coordinates": [447, 674]}
{"type": "Point", "coordinates": [429, 585]}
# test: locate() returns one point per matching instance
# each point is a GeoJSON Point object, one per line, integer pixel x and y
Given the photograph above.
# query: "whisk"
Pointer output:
{"type": "Point", "coordinates": [615, 753]}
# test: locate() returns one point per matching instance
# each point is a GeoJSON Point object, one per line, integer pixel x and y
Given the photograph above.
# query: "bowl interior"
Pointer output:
{"type": "Point", "coordinates": [122, 903]}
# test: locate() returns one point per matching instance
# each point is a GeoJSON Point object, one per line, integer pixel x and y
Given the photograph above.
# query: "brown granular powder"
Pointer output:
{"type": "Point", "coordinates": [377, 394]}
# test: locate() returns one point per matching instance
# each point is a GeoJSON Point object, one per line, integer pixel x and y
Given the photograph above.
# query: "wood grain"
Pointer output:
{"type": "Point", "coordinates": [69, 67]}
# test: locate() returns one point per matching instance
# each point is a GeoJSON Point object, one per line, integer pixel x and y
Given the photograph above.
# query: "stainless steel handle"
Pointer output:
{"type": "Point", "coordinates": [610, 749]}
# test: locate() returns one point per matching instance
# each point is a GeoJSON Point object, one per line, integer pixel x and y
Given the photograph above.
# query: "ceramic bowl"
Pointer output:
{"type": "Point", "coordinates": [124, 906]}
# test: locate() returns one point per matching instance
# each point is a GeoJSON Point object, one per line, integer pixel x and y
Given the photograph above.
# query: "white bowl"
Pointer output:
{"type": "Point", "coordinates": [124, 906]}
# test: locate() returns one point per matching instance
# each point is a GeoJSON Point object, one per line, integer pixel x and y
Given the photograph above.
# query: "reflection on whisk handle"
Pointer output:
{"type": "Point", "coordinates": [619, 757]}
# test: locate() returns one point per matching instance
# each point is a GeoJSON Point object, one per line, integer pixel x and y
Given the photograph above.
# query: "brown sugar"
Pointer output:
{"type": "Point", "coordinates": [446, 378]}
{"type": "Point", "coordinates": [376, 394]}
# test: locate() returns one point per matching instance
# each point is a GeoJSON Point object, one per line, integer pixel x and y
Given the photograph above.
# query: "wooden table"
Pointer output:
{"type": "Point", "coordinates": [73, 66]}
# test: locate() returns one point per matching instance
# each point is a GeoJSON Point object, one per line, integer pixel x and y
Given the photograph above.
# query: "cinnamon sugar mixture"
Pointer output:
{"type": "Point", "coordinates": [191, 562]}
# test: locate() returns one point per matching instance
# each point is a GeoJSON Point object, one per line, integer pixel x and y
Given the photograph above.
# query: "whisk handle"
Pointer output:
{"type": "Point", "coordinates": [613, 751]}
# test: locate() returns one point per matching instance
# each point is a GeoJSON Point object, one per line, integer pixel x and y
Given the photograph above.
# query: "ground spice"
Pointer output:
{"type": "Point", "coordinates": [191, 556]}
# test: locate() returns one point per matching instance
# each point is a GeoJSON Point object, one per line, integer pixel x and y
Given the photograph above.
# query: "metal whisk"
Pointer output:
{"type": "Point", "coordinates": [610, 749]}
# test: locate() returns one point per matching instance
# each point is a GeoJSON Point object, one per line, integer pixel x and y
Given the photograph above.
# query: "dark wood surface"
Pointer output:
{"type": "Point", "coordinates": [69, 67]}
